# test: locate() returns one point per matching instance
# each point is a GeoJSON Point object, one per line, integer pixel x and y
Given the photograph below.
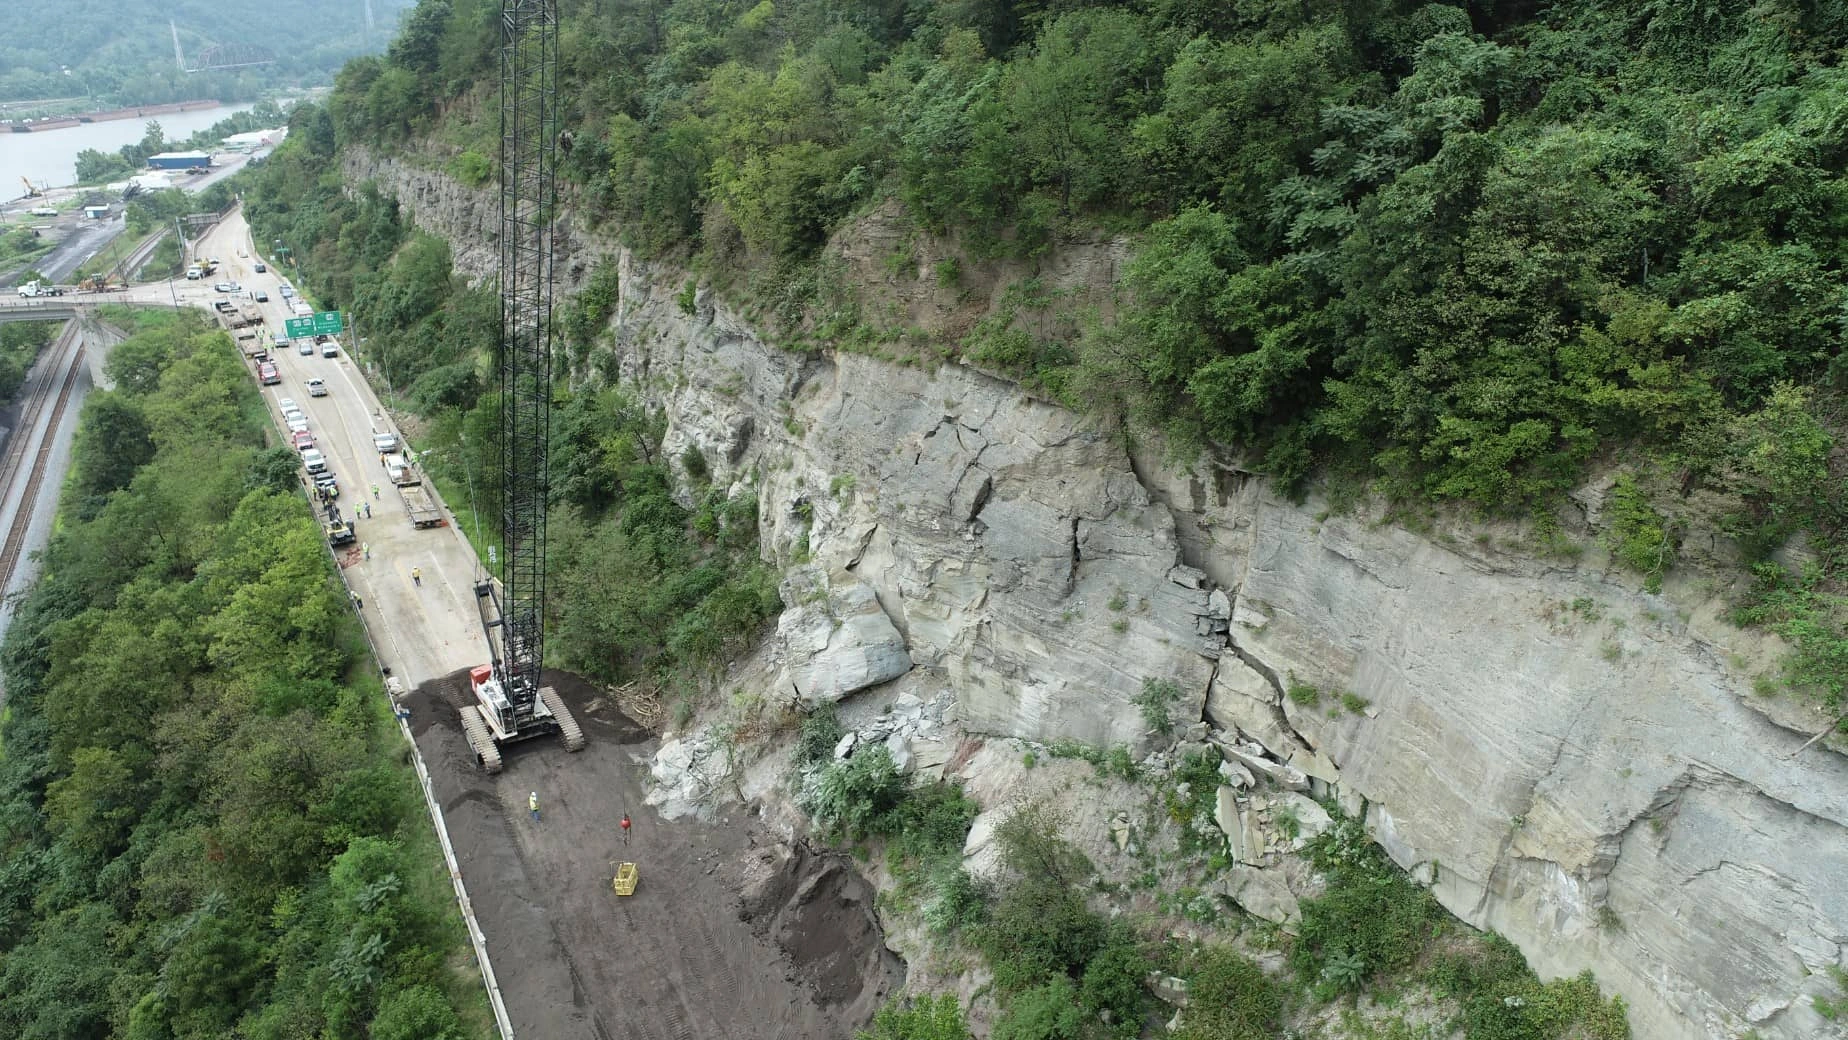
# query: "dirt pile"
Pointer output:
{"type": "Point", "coordinates": [819, 913]}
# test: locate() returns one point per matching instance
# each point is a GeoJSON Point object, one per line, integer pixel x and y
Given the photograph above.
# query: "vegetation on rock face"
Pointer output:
{"type": "Point", "coordinates": [1453, 249]}
{"type": "Point", "coordinates": [206, 824]}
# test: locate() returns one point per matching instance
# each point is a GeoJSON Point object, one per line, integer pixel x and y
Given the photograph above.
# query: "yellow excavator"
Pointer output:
{"type": "Point", "coordinates": [31, 192]}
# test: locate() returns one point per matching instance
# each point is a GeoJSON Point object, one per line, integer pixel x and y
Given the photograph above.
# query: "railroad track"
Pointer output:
{"type": "Point", "coordinates": [31, 442]}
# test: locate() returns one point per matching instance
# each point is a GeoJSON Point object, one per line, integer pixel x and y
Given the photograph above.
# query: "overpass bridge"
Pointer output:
{"type": "Point", "coordinates": [69, 307]}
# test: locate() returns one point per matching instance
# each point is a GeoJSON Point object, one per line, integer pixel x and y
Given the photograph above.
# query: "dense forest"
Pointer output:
{"type": "Point", "coordinates": [1452, 255]}
{"type": "Point", "coordinates": [121, 52]}
{"type": "Point", "coordinates": [207, 827]}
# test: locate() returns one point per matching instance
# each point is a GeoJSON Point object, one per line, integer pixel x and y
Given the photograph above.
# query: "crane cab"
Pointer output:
{"type": "Point", "coordinates": [496, 709]}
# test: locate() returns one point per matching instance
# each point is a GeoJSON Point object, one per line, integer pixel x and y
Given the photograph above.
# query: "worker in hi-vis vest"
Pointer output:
{"type": "Point", "coordinates": [532, 803]}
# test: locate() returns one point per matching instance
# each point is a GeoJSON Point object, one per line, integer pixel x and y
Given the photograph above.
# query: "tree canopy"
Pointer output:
{"type": "Point", "coordinates": [206, 827]}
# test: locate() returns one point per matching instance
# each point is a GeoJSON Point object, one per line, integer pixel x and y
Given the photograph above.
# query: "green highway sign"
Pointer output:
{"type": "Point", "coordinates": [322, 323]}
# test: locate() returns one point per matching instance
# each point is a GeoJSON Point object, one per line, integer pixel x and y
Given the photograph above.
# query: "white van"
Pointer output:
{"type": "Point", "coordinates": [330, 347]}
{"type": "Point", "coordinates": [302, 310]}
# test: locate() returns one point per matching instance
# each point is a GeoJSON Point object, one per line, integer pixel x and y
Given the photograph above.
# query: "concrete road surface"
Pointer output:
{"type": "Point", "coordinates": [420, 632]}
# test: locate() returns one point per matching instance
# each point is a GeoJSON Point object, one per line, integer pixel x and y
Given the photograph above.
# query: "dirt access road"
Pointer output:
{"type": "Point", "coordinates": [729, 935]}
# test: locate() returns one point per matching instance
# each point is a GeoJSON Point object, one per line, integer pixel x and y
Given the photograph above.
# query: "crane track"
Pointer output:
{"type": "Point", "coordinates": [65, 357]}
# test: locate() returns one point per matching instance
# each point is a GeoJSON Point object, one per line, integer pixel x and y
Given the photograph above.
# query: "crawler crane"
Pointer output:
{"type": "Point", "coordinates": [510, 704]}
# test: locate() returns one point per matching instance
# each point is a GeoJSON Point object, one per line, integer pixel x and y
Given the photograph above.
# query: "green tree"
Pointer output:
{"type": "Point", "coordinates": [113, 443]}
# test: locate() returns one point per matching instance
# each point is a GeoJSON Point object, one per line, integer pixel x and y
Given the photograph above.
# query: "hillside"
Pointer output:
{"type": "Point", "coordinates": [121, 52]}
{"type": "Point", "coordinates": [1433, 409]}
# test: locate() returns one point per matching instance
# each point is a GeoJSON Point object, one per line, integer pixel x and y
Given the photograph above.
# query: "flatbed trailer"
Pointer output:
{"type": "Point", "coordinates": [419, 506]}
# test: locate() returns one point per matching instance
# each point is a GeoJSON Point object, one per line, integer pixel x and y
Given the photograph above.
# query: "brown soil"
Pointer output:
{"type": "Point", "coordinates": [730, 933]}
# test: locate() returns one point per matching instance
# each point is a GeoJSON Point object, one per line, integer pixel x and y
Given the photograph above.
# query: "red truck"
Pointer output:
{"type": "Point", "coordinates": [267, 373]}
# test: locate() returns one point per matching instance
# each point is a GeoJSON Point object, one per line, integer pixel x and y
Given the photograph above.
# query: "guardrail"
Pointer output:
{"type": "Point", "coordinates": [476, 937]}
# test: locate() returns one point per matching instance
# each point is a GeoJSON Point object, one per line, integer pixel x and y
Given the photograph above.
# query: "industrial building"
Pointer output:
{"type": "Point", "coordinates": [255, 139]}
{"type": "Point", "coordinates": [180, 161]}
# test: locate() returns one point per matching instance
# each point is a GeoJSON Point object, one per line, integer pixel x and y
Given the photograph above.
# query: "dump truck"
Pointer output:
{"type": "Point", "coordinates": [419, 505]}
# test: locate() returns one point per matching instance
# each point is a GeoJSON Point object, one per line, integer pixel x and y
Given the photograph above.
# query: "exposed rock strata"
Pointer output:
{"type": "Point", "coordinates": [1573, 765]}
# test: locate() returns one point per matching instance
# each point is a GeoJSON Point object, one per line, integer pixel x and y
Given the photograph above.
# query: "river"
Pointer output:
{"type": "Point", "coordinates": [49, 157]}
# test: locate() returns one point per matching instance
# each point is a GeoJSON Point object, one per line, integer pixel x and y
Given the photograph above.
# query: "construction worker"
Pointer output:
{"type": "Point", "coordinates": [365, 550]}
{"type": "Point", "coordinates": [359, 604]}
{"type": "Point", "coordinates": [417, 576]}
{"type": "Point", "coordinates": [367, 506]}
{"type": "Point", "coordinates": [532, 805]}
{"type": "Point", "coordinates": [625, 828]}
{"type": "Point", "coordinates": [375, 491]}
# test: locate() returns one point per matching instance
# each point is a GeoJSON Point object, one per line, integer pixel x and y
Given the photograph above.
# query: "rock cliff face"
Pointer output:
{"type": "Point", "coordinates": [1568, 761]}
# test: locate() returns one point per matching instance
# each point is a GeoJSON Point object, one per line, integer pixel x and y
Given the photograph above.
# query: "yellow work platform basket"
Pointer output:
{"type": "Point", "coordinates": [626, 877]}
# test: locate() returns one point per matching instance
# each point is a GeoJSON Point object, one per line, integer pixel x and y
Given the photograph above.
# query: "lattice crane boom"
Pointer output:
{"type": "Point", "coordinates": [512, 705]}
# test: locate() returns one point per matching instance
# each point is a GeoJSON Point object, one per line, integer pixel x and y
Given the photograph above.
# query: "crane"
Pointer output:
{"type": "Point", "coordinates": [510, 705]}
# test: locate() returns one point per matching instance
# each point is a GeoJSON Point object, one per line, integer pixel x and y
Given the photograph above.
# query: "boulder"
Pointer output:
{"type": "Point", "coordinates": [1237, 775]}
{"type": "Point", "coordinates": [929, 755]}
{"type": "Point", "coordinates": [833, 637]}
{"type": "Point", "coordinates": [686, 771]}
{"type": "Point", "coordinates": [1241, 699]}
{"type": "Point", "coordinates": [844, 746]}
{"type": "Point", "coordinates": [898, 746]}
{"type": "Point", "coordinates": [1311, 819]}
{"type": "Point", "coordinates": [1226, 815]}
{"type": "Point", "coordinates": [981, 853]}
{"type": "Point", "coordinates": [1262, 893]}
{"type": "Point", "coordinates": [1250, 756]}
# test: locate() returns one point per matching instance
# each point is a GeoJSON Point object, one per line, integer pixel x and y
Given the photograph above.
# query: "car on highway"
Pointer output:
{"type": "Point", "coordinates": [317, 387]}
{"type": "Point", "coordinates": [286, 290]}
{"type": "Point", "coordinates": [227, 287]}
{"type": "Point", "coordinates": [260, 296]}
{"type": "Point", "coordinates": [259, 268]}
{"type": "Point", "coordinates": [330, 347]}
{"type": "Point", "coordinates": [298, 423]}
{"type": "Point", "coordinates": [301, 440]}
{"type": "Point", "coordinates": [313, 461]}
{"type": "Point", "coordinates": [287, 404]}
{"type": "Point", "coordinates": [326, 484]}
{"type": "Point", "coordinates": [267, 374]}
{"type": "Point", "coordinates": [305, 348]}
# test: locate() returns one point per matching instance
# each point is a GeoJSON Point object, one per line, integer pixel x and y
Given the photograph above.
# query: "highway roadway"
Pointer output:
{"type": "Point", "coordinates": [420, 632]}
